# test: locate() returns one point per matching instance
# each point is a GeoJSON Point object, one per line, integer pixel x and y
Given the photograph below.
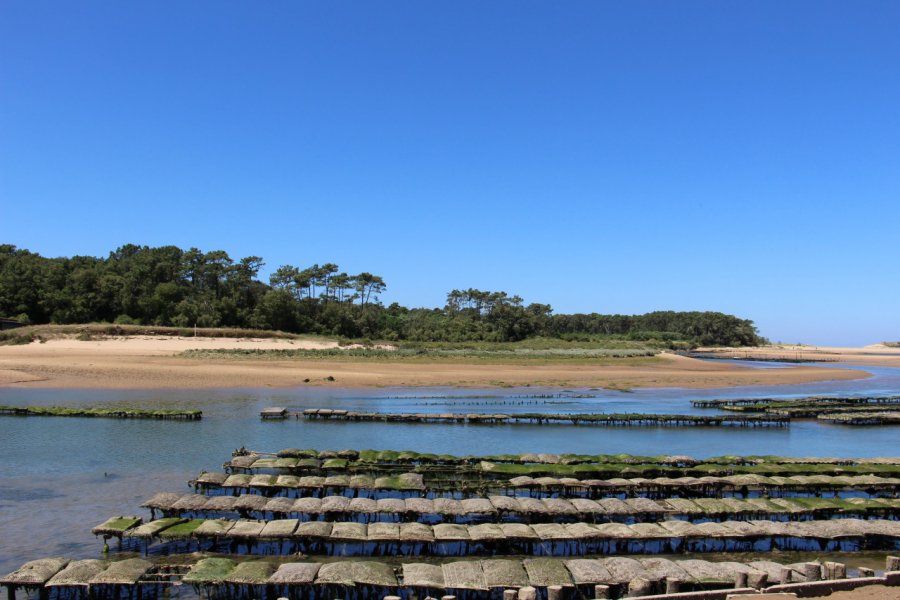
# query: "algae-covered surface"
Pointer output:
{"type": "Point", "coordinates": [148, 530]}
{"type": "Point", "coordinates": [115, 525]}
{"type": "Point", "coordinates": [253, 572]}
{"type": "Point", "coordinates": [209, 571]}
{"type": "Point", "coordinates": [181, 530]}
{"type": "Point", "coordinates": [111, 413]}
{"type": "Point", "coordinates": [65, 475]}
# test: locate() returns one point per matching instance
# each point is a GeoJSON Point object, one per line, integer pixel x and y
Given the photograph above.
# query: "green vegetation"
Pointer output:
{"type": "Point", "coordinates": [171, 287]}
{"type": "Point", "coordinates": [574, 356]}
{"type": "Point", "coordinates": [96, 331]}
{"type": "Point", "coordinates": [534, 344]}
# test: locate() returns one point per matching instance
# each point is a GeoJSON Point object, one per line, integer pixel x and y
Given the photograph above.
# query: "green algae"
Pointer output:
{"type": "Point", "coordinates": [209, 571]}
{"type": "Point", "coordinates": [109, 413]}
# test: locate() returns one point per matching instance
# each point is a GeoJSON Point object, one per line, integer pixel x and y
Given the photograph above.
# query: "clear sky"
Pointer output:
{"type": "Point", "coordinates": [617, 157]}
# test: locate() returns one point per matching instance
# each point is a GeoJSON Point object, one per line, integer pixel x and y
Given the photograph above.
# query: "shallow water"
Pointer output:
{"type": "Point", "coordinates": [61, 476]}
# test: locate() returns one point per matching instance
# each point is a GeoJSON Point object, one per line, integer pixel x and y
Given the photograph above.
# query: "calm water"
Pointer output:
{"type": "Point", "coordinates": [61, 476]}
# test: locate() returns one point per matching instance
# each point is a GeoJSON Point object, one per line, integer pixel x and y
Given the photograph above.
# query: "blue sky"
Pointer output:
{"type": "Point", "coordinates": [599, 156]}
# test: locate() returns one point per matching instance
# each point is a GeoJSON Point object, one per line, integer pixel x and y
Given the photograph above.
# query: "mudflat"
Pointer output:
{"type": "Point", "coordinates": [154, 362]}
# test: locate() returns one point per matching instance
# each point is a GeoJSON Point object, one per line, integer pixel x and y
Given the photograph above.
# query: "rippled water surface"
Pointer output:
{"type": "Point", "coordinates": [61, 476]}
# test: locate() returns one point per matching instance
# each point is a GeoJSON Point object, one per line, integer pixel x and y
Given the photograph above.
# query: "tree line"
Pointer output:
{"type": "Point", "coordinates": [186, 288]}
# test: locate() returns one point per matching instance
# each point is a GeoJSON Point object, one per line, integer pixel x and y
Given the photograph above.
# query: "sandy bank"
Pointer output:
{"type": "Point", "coordinates": [873, 355]}
{"type": "Point", "coordinates": [871, 592]}
{"type": "Point", "coordinates": [145, 362]}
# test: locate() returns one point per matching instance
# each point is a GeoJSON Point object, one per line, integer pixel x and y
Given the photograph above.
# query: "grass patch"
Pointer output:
{"type": "Point", "coordinates": [94, 331]}
{"type": "Point", "coordinates": [507, 356]}
{"type": "Point", "coordinates": [18, 337]}
{"type": "Point", "coordinates": [535, 343]}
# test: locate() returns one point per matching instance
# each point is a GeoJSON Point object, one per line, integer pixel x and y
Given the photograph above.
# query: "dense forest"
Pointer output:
{"type": "Point", "coordinates": [186, 288]}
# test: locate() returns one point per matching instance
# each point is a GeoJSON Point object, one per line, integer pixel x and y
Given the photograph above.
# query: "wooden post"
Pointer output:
{"type": "Point", "coordinates": [554, 592]}
{"type": "Point", "coordinates": [527, 593]}
{"type": "Point", "coordinates": [835, 570]}
{"type": "Point", "coordinates": [740, 580]}
{"type": "Point", "coordinates": [812, 571]}
{"type": "Point", "coordinates": [784, 575]}
{"type": "Point", "coordinates": [510, 594]}
{"type": "Point", "coordinates": [757, 579]}
{"type": "Point", "coordinates": [640, 587]}
{"type": "Point", "coordinates": [673, 585]}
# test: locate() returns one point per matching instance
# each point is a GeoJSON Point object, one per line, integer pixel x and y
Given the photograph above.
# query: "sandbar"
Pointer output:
{"type": "Point", "coordinates": [152, 362]}
{"type": "Point", "coordinates": [873, 355]}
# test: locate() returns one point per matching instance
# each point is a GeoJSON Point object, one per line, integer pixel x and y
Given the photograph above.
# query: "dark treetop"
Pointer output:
{"type": "Point", "coordinates": [186, 288]}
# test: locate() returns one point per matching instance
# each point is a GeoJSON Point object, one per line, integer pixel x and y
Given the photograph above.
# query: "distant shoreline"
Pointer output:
{"type": "Point", "coordinates": [874, 355]}
{"type": "Point", "coordinates": [152, 362]}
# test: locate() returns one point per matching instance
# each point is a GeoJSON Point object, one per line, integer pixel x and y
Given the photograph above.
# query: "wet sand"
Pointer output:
{"type": "Point", "coordinates": [151, 362]}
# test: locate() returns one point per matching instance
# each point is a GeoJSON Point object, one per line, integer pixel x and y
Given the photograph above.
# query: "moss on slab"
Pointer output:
{"type": "Point", "coordinates": [117, 525]}
{"type": "Point", "coordinates": [209, 571]}
{"type": "Point", "coordinates": [182, 530]}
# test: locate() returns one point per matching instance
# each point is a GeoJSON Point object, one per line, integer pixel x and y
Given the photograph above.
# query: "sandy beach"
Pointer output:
{"type": "Point", "coordinates": [871, 592]}
{"type": "Point", "coordinates": [152, 362]}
